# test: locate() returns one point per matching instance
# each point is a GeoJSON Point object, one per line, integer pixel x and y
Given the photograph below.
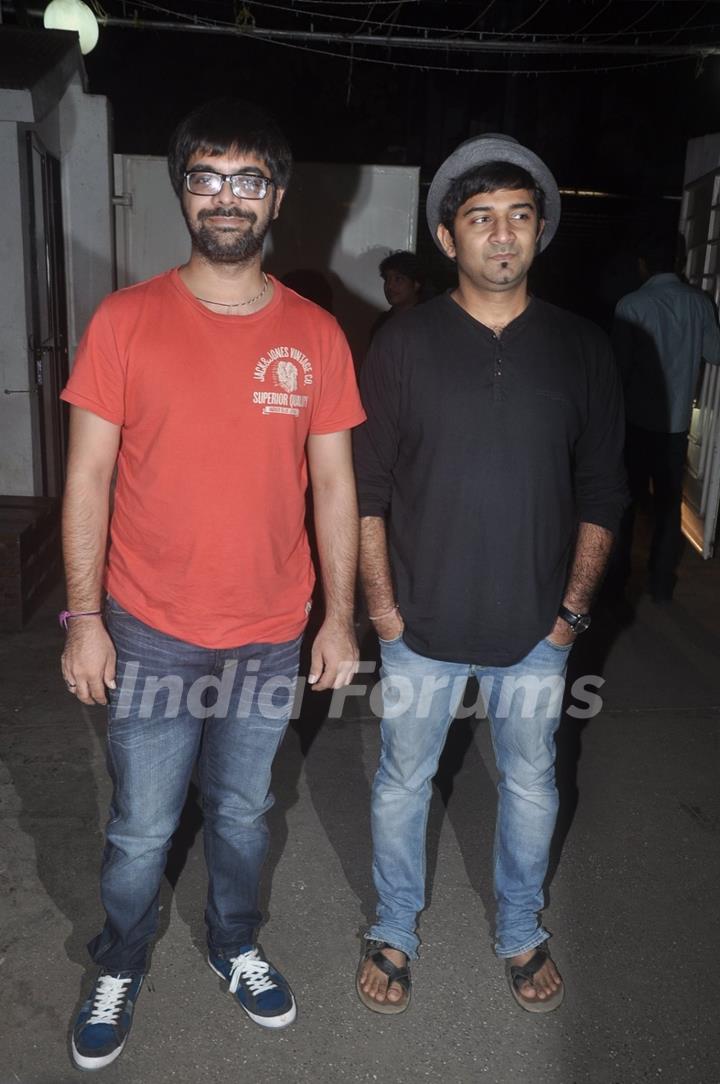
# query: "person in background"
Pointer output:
{"type": "Point", "coordinates": [403, 283]}
{"type": "Point", "coordinates": [661, 333]}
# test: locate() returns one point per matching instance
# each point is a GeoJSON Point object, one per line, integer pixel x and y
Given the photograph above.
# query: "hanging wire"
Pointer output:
{"type": "Point", "coordinates": [363, 24]}
{"type": "Point", "coordinates": [349, 76]}
{"type": "Point", "coordinates": [454, 35]}
{"type": "Point", "coordinates": [570, 36]}
{"type": "Point", "coordinates": [638, 65]}
{"type": "Point", "coordinates": [628, 29]}
{"type": "Point", "coordinates": [359, 3]}
{"type": "Point", "coordinates": [530, 18]}
{"type": "Point", "coordinates": [635, 66]}
{"type": "Point", "coordinates": [478, 18]}
{"type": "Point", "coordinates": [217, 25]}
{"type": "Point", "coordinates": [590, 21]}
{"type": "Point", "coordinates": [686, 23]}
{"type": "Point", "coordinates": [362, 20]}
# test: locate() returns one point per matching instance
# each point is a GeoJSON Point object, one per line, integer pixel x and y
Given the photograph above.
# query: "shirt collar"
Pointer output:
{"type": "Point", "coordinates": [665, 276]}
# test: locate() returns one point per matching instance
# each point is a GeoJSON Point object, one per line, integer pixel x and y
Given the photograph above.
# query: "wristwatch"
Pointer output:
{"type": "Point", "coordinates": [577, 622]}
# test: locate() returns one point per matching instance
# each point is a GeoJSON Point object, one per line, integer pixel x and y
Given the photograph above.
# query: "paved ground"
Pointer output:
{"type": "Point", "coordinates": [633, 900]}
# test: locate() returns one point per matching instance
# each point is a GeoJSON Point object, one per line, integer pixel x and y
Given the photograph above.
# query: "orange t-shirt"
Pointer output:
{"type": "Point", "coordinates": [207, 540]}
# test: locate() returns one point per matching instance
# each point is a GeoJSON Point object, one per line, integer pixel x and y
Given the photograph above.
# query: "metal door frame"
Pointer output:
{"type": "Point", "coordinates": [47, 355]}
{"type": "Point", "coordinates": [700, 226]}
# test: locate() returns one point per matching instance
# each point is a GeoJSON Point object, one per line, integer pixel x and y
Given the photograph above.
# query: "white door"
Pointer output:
{"type": "Point", "coordinates": [336, 225]}
{"type": "Point", "coordinates": [700, 225]}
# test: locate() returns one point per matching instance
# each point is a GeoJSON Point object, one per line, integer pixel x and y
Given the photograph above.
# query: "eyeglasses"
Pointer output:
{"type": "Point", "coordinates": [242, 185]}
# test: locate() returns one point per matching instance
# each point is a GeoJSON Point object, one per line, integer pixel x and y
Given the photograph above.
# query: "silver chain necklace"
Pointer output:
{"type": "Point", "coordinates": [238, 304]}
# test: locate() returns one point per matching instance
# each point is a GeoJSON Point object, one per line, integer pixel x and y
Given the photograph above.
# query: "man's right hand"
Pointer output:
{"type": "Point", "coordinates": [390, 627]}
{"type": "Point", "coordinates": [88, 661]}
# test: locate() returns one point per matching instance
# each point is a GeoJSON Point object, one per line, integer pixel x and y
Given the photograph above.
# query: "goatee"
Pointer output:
{"type": "Point", "coordinates": [240, 246]}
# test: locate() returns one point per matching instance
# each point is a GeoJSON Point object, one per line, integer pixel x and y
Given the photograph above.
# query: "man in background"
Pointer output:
{"type": "Point", "coordinates": [403, 283]}
{"type": "Point", "coordinates": [661, 333]}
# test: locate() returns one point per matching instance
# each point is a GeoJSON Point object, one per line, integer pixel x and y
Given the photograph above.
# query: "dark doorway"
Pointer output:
{"type": "Point", "coordinates": [47, 331]}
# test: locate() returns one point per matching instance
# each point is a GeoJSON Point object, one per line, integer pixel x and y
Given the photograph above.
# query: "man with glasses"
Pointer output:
{"type": "Point", "coordinates": [216, 392]}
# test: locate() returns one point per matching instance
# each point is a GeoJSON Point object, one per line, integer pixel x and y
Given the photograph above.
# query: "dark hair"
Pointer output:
{"type": "Point", "coordinates": [661, 252]}
{"type": "Point", "coordinates": [405, 263]}
{"type": "Point", "coordinates": [487, 178]}
{"type": "Point", "coordinates": [224, 124]}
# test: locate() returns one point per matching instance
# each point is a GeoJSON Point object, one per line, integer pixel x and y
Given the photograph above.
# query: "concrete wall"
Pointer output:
{"type": "Point", "coordinates": [338, 221]}
{"type": "Point", "coordinates": [16, 443]}
{"type": "Point", "coordinates": [77, 131]}
{"type": "Point", "coordinates": [85, 136]}
{"type": "Point", "coordinates": [703, 156]}
{"type": "Point", "coordinates": [48, 131]}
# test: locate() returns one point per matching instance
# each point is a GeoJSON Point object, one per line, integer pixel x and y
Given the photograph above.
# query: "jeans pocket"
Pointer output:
{"type": "Point", "coordinates": [114, 608]}
{"type": "Point", "coordinates": [389, 643]}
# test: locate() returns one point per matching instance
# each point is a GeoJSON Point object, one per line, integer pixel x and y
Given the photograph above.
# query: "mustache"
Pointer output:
{"type": "Point", "coordinates": [230, 212]}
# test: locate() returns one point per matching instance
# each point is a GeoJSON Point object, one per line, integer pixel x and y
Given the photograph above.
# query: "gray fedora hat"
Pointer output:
{"type": "Point", "coordinates": [480, 151]}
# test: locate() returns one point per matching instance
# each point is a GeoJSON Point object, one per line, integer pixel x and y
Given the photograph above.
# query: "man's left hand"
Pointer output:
{"type": "Point", "coordinates": [561, 633]}
{"type": "Point", "coordinates": [334, 658]}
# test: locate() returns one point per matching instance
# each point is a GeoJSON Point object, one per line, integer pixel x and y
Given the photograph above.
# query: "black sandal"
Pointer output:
{"type": "Point", "coordinates": [400, 975]}
{"type": "Point", "coordinates": [519, 974]}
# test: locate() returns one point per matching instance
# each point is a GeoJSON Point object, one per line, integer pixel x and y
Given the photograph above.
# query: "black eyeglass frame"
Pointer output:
{"type": "Point", "coordinates": [228, 177]}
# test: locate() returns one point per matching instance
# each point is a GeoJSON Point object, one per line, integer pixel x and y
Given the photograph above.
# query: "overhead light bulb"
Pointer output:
{"type": "Point", "coordinates": [73, 15]}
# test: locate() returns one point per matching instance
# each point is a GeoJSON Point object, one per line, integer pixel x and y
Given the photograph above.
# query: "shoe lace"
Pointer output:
{"type": "Point", "coordinates": [110, 999]}
{"type": "Point", "coordinates": [251, 967]}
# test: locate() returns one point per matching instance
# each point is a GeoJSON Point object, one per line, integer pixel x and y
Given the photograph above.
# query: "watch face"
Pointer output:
{"type": "Point", "coordinates": [582, 623]}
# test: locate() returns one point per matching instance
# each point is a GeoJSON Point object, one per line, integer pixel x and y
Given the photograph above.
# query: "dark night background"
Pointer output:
{"type": "Point", "coordinates": [611, 122]}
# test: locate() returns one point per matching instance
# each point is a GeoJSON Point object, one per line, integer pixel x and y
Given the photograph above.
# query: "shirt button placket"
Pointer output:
{"type": "Point", "coordinates": [497, 370]}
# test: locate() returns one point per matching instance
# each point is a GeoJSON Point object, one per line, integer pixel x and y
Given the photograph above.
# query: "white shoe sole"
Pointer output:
{"type": "Point", "coordinates": [263, 1021]}
{"type": "Point", "coordinates": [89, 1064]}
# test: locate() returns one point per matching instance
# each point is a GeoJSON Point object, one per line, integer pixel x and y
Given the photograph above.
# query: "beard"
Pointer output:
{"type": "Point", "coordinates": [499, 276]}
{"type": "Point", "coordinates": [236, 246]}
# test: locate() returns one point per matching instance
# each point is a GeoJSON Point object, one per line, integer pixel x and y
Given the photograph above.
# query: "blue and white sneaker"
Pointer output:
{"type": "Point", "coordinates": [260, 990]}
{"type": "Point", "coordinates": [103, 1023]}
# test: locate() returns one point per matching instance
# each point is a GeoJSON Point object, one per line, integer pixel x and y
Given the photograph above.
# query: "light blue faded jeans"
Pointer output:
{"type": "Point", "coordinates": [420, 699]}
{"type": "Point", "coordinates": [177, 705]}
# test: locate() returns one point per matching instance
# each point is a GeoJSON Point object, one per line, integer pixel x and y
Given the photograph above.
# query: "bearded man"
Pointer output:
{"type": "Point", "coordinates": [215, 391]}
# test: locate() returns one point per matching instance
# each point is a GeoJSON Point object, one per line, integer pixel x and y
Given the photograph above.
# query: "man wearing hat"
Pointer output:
{"type": "Point", "coordinates": [491, 484]}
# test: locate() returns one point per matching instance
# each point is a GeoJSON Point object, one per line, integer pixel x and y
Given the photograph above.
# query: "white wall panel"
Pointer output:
{"type": "Point", "coordinates": [337, 221]}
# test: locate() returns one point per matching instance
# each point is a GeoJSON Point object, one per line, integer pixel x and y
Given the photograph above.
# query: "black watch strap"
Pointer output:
{"type": "Point", "coordinates": [577, 622]}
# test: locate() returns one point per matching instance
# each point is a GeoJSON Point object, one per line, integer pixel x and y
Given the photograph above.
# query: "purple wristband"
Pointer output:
{"type": "Point", "coordinates": [65, 615]}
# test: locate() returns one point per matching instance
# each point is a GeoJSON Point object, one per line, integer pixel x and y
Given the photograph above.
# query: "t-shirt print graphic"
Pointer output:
{"type": "Point", "coordinates": [285, 374]}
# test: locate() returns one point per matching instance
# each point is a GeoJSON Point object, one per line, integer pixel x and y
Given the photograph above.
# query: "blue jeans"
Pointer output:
{"type": "Point", "coordinates": [177, 704]}
{"type": "Point", "coordinates": [420, 699]}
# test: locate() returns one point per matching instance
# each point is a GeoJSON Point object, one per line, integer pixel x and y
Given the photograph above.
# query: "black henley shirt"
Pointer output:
{"type": "Point", "coordinates": [483, 453]}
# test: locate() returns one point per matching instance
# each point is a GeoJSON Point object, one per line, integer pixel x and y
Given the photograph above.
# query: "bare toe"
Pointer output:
{"type": "Point", "coordinates": [383, 978]}
{"type": "Point", "coordinates": [534, 980]}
